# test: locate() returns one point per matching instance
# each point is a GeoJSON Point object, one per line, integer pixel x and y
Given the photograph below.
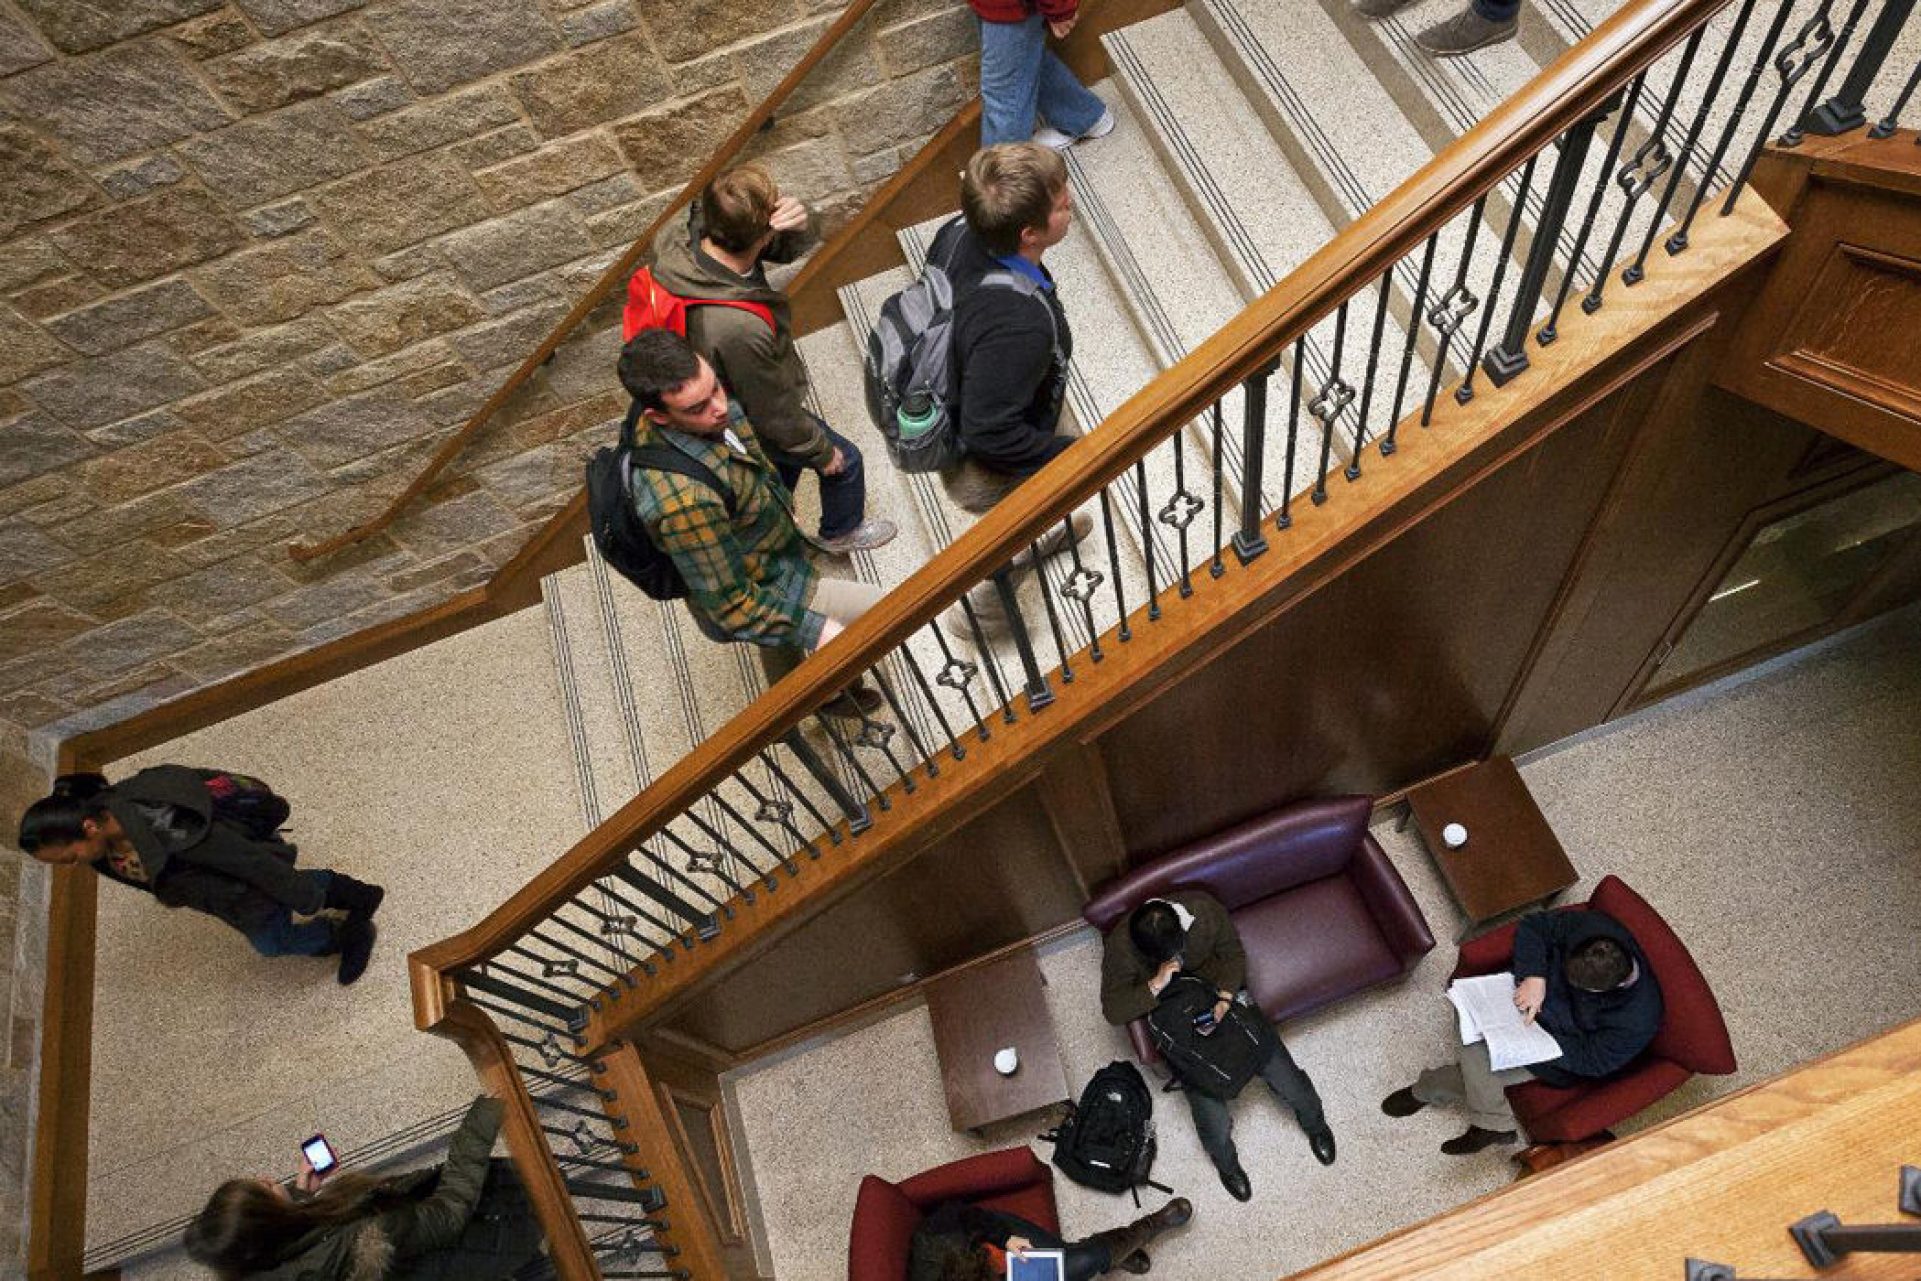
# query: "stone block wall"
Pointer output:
{"type": "Point", "coordinates": [258, 257]}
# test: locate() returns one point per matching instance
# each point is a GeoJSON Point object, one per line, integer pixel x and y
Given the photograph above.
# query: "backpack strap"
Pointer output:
{"type": "Point", "coordinates": [760, 309]}
{"type": "Point", "coordinates": [668, 459]}
{"type": "Point", "coordinates": [1026, 286]}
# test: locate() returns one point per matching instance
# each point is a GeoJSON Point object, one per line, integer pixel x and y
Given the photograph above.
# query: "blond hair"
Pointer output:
{"type": "Point", "coordinates": [736, 209]}
{"type": "Point", "coordinates": [1009, 187]}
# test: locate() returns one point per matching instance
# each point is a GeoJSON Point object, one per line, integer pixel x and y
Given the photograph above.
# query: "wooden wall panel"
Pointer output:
{"type": "Point", "coordinates": [1394, 671]}
{"type": "Point", "coordinates": [1000, 879]}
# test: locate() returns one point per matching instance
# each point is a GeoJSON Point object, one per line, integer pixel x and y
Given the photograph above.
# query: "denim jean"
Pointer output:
{"type": "Point", "coordinates": [1498, 10]}
{"type": "Point", "coordinates": [1290, 1085]}
{"type": "Point", "coordinates": [1021, 78]}
{"type": "Point", "coordinates": [284, 936]}
{"type": "Point", "coordinates": [843, 497]}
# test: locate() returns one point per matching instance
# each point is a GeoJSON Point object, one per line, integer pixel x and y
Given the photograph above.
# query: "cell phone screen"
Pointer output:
{"type": "Point", "coordinates": [319, 1154]}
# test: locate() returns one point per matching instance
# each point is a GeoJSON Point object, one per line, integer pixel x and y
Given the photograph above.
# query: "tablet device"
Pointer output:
{"type": "Point", "coordinates": [1037, 1265]}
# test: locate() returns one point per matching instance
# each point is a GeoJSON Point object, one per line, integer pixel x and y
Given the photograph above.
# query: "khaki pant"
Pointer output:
{"type": "Point", "coordinates": [1472, 1083]}
{"type": "Point", "coordinates": [841, 599]}
{"type": "Point", "coordinates": [976, 489]}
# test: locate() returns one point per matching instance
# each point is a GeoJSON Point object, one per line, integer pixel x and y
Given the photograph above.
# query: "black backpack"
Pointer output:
{"type": "Point", "coordinates": [1220, 1062]}
{"type": "Point", "coordinates": [1106, 1141]}
{"type": "Point", "coordinates": [619, 533]}
{"type": "Point", "coordinates": [246, 802]}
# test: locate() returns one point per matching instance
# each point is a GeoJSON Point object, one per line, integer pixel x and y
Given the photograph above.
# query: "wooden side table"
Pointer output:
{"type": "Point", "coordinates": [1511, 860]}
{"type": "Point", "coordinates": [976, 1012]}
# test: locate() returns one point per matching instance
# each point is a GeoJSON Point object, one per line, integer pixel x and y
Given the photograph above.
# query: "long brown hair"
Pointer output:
{"type": "Point", "coordinates": [247, 1226]}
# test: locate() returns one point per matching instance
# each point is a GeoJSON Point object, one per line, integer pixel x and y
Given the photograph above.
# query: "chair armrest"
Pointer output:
{"type": "Point", "coordinates": [1389, 902]}
{"type": "Point", "coordinates": [1489, 954]}
{"type": "Point", "coordinates": [976, 1177]}
{"type": "Point", "coordinates": [1583, 1111]}
{"type": "Point", "coordinates": [1143, 1043]}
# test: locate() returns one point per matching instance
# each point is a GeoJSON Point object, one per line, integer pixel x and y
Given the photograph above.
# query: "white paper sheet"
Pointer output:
{"type": "Point", "coordinates": [1486, 1008]}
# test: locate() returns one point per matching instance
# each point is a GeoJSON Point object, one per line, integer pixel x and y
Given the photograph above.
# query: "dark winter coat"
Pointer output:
{"type": "Point", "coordinates": [1600, 1032]}
{"type": "Point", "coordinates": [1213, 952]}
{"type": "Point", "coordinates": [193, 859]}
{"type": "Point", "coordinates": [466, 1220]}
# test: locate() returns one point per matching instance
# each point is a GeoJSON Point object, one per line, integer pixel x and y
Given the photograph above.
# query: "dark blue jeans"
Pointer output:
{"type": "Point", "coordinates": [283, 936]}
{"type": "Point", "coordinates": [1498, 10]}
{"type": "Point", "coordinates": [843, 498]}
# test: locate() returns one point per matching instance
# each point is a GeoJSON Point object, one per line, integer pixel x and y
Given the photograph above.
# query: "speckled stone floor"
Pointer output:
{"type": "Point", "coordinates": [1768, 821]}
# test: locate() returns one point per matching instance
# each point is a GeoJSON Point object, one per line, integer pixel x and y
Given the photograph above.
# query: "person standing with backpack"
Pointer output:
{"type": "Point", "coordinates": [741, 223]}
{"type": "Point", "coordinates": [207, 840]}
{"type": "Point", "coordinates": [1155, 961]}
{"type": "Point", "coordinates": [722, 517]}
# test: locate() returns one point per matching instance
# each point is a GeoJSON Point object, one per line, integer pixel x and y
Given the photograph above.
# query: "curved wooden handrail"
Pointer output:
{"type": "Point", "coordinates": [1576, 85]}
{"type": "Point", "coordinates": [611, 281]}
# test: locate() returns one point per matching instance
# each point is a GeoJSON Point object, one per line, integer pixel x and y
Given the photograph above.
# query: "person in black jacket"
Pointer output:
{"type": "Point", "coordinates": [1584, 977]}
{"type": "Point", "coordinates": [1011, 339]}
{"type": "Point", "coordinates": [948, 1244]}
{"type": "Point", "coordinates": [466, 1220]}
{"type": "Point", "coordinates": [159, 831]}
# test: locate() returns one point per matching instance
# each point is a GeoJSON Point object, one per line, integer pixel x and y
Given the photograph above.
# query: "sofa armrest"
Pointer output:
{"type": "Point", "coordinates": [1389, 902]}
{"type": "Point", "coordinates": [976, 1177]}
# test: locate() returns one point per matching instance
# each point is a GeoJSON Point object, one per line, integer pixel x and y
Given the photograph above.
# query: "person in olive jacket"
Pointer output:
{"type": "Point", "coordinates": [466, 1220]}
{"type": "Point", "coordinates": [164, 831]}
{"type": "Point", "coordinates": [1188, 931]}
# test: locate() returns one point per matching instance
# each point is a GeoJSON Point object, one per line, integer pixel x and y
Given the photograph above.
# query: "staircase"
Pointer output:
{"type": "Point", "coordinates": [1251, 132]}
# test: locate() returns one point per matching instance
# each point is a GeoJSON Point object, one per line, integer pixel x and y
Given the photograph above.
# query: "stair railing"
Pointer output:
{"type": "Point", "coordinates": [787, 793]}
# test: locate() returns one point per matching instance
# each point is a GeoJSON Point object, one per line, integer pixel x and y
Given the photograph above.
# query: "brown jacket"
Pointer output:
{"type": "Point", "coordinates": [1213, 952]}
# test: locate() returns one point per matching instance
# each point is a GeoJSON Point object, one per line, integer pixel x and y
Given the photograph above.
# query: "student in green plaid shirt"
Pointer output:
{"type": "Point", "coordinates": [748, 575]}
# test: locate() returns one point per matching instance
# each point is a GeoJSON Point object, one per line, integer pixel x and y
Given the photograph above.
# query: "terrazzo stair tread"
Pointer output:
{"type": "Point", "coordinates": [1260, 216]}
{"type": "Point", "coordinates": [583, 667]}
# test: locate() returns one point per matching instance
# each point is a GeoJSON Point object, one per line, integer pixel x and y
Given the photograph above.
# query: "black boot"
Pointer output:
{"type": "Point", "coordinates": [355, 898]}
{"type": "Point", "coordinates": [1124, 1243]}
{"type": "Point", "coordinates": [355, 940]}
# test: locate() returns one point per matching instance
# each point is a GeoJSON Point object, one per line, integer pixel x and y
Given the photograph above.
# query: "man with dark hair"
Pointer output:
{"type": "Point", "coordinates": [747, 572]}
{"type": "Point", "coordinates": [1188, 932]}
{"type": "Point", "coordinates": [741, 223]}
{"type": "Point", "coordinates": [1583, 976]}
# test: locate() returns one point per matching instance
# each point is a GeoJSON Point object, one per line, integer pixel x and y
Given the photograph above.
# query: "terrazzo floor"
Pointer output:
{"type": "Point", "coordinates": [1776, 822]}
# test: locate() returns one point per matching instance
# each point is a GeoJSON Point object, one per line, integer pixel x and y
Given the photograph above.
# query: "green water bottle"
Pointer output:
{"type": "Point", "coordinates": [917, 415]}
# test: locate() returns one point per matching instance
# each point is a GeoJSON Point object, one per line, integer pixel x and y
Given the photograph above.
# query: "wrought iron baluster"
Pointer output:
{"type": "Point", "coordinates": [858, 819]}
{"type": "Point", "coordinates": [1892, 121]}
{"type": "Point", "coordinates": [853, 758]}
{"type": "Point", "coordinates": [519, 976]}
{"type": "Point", "coordinates": [642, 912]}
{"type": "Point", "coordinates": [739, 820]}
{"type": "Point", "coordinates": [521, 1016]}
{"type": "Point", "coordinates": [927, 754]}
{"type": "Point", "coordinates": [1412, 339]}
{"type": "Point", "coordinates": [1053, 618]}
{"type": "Point", "coordinates": [1180, 511]}
{"type": "Point", "coordinates": [800, 797]}
{"type": "Point", "coordinates": [879, 734]}
{"type": "Point", "coordinates": [940, 713]}
{"type": "Point", "coordinates": [1638, 269]}
{"type": "Point", "coordinates": [552, 969]}
{"type": "Point", "coordinates": [585, 1140]}
{"type": "Point", "coordinates": [1147, 538]}
{"type": "Point", "coordinates": [1293, 434]}
{"type": "Point", "coordinates": [771, 808]}
{"type": "Point", "coordinates": [1795, 60]}
{"type": "Point", "coordinates": [1678, 242]}
{"type": "Point", "coordinates": [959, 677]}
{"type": "Point", "coordinates": [633, 877]}
{"type": "Point", "coordinates": [1114, 564]}
{"type": "Point", "coordinates": [1353, 472]}
{"type": "Point", "coordinates": [1081, 586]}
{"type": "Point", "coordinates": [1330, 403]}
{"type": "Point", "coordinates": [1034, 682]}
{"type": "Point", "coordinates": [1844, 112]}
{"type": "Point", "coordinates": [1217, 566]}
{"type": "Point", "coordinates": [581, 1083]}
{"type": "Point", "coordinates": [1250, 542]}
{"type": "Point", "coordinates": [612, 927]}
{"type": "Point", "coordinates": [1509, 358]}
{"type": "Point", "coordinates": [1451, 310]}
{"type": "Point", "coordinates": [597, 940]}
{"type": "Point", "coordinates": [574, 1109]}
{"type": "Point", "coordinates": [551, 1052]}
{"type": "Point", "coordinates": [1637, 177]}
{"type": "Point", "coordinates": [476, 980]}
{"type": "Point", "coordinates": [1551, 330]}
{"type": "Point", "coordinates": [1465, 392]}
{"type": "Point", "coordinates": [725, 849]}
{"type": "Point", "coordinates": [575, 954]}
{"type": "Point", "coordinates": [712, 864]}
{"type": "Point", "coordinates": [989, 663]}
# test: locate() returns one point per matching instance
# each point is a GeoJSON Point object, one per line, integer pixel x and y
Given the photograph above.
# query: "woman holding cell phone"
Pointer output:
{"type": "Point", "coordinates": [468, 1218]}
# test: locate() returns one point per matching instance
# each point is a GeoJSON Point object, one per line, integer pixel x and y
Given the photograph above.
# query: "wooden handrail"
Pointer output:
{"type": "Point", "coordinates": [611, 281]}
{"type": "Point", "coordinates": [1576, 85]}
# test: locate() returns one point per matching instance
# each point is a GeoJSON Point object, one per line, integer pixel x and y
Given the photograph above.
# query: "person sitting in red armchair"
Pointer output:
{"type": "Point", "coordinates": [962, 1242]}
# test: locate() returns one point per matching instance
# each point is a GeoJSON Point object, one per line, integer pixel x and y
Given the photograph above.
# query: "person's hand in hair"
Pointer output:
{"type": "Point", "coordinates": [1061, 26]}
{"type": "Point", "coordinates": [1164, 975]}
{"type": "Point", "coordinates": [789, 215]}
{"type": "Point", "coordinates": [1529, 994]}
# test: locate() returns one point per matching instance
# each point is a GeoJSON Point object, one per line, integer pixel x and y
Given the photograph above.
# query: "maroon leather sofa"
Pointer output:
{"type": "Point", "coordinates": [1320, 910]}
{"type": "Point", "coordinates": [1693, 1036]}
{"type": "Point", "coordinates": [886, 1214]}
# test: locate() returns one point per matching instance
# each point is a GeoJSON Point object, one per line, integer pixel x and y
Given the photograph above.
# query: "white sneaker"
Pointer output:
{"type": "Point", "coordinates": [1050, 137]}
{"type": "Point", "coordinates": [1102, 127]}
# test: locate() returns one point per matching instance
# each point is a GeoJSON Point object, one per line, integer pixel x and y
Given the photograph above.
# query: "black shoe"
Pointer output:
{"type": "Point", "coordinates": [1174, 1214]}
{"type": "Point", "coordinates": [1321, 1142]}
{"type": "Point", "coordinates": [1476, 1139]}
{"type": "Point", "coordinates": [1235, 1181]}
{"type": "Point", "coordinates": [1136, 1263]}
{"type": "Point", "coordinates": [356, 938]}
{"type": "Point", "coordinates": [1402, 1102]}
{"type": "Point", "coordinates": [856, 703]}
{"type": "Point", "coordinates": [356, 898]}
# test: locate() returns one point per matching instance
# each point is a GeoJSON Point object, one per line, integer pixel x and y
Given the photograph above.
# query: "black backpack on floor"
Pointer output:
{"type": "Point", "coordinates": [1216, 1063]}
{"type": "Point", "coordinates": [1106, 1141]}
{"type": "Point", "coordinates": [618, 532]}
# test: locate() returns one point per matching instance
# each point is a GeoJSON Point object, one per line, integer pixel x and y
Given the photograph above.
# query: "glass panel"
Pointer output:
{"type": "Point", "coordinates": [1797, 573]}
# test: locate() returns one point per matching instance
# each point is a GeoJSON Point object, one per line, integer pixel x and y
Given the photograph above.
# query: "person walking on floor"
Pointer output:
{"type": "Point", "coordinates": [1482, 23]}
{"type": "Point", "coordinates": [1022, 81]}
{"type": "Point", "coordinates": [208, 840]}
{"type": "Point", "coordinates": [741, 223]}
{"type": "Point", "coordinates": [468, 1219]}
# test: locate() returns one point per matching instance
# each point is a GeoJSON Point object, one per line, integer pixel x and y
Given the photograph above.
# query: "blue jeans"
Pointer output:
{"type": "Point", "coordinates": [1498, 10]}
{"type": "Point", "coordinates": [283, 936]}
{"type": "Point", "coordinates": [843, 498]}
{"type": "Point", "coordinates": [1020, 78]}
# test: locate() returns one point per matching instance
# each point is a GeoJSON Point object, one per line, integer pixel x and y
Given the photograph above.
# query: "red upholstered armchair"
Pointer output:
{"type": "Point", "coordinates": [1693, 1037]}
{"type": "Point", "coordinates": [886, 1214]}
{"type": "Point", "coordinates": [1320, 910]}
